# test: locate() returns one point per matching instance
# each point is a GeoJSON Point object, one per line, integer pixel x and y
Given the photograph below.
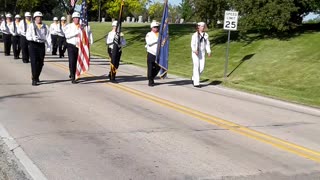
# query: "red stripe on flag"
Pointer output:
{"type": "Point", "coordinates": [83, 61]}
{"type": "Point", "coordinates": [72, 2]}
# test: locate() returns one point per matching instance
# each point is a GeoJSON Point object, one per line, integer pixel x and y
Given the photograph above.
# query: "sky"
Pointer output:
{"type": "Point", "coordinates": [174, 2]}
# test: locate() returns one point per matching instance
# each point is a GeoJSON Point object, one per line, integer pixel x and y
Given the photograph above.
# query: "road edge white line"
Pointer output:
{"type": "Point", "coordinates": [30, 167]}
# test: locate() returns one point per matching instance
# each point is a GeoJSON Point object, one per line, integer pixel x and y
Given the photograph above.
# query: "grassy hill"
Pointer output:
{"type": "Point", "coordinates": [286, 68]}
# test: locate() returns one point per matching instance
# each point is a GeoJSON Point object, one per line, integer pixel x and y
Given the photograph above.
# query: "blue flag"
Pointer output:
{"type": "Point", "coordinates": [163, 42]}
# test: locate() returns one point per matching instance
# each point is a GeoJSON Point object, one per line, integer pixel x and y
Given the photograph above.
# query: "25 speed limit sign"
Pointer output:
{"type": "Point", "coordinates": [230, 20]}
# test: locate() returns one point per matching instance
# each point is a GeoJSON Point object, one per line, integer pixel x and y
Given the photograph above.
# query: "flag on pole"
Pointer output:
{"type": "Point", "coordinates": [72, 3]}
{"type": "Point", "coordinates": [84, 46]}
{"type": "Point", "coordinates": [116, 55]}
{"type": "Point", "coordinates": [163, 42]}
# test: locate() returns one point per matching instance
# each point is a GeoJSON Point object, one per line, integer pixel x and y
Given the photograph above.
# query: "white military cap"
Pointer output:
{"type": "Point", "coordinates": [55, 19]}
{"type": "Point", "coordinates": [8, 16]}
{"type": "Point", "coordinates": [27, 14]}
{"type": "Point", "coordinates": [17, 16]}
{"type": "Point", "coordinates": [37, 14]}
{"type": "Point", "coordinates": [154, 24]}
{"type": "Point", "coordinates": [63, 18]}
{"type": "Point", "coordinates": [201, 24]}
{"type": "Point", "coordinates": [114, 23]}
{"type": "Point", "coordinates": [76, 15]}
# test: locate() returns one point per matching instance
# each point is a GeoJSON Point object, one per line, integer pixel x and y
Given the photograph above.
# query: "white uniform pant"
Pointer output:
{"type": "Point", "coordinates": [198, 67]}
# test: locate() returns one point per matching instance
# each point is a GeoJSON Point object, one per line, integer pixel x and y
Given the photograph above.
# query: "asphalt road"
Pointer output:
{"type": "Point", "coordinates": [101, 130]}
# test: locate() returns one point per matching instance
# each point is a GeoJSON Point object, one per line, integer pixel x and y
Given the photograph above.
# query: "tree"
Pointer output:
{"type": "Point", "coordinates": [186, 9]}
{"type": "Point", "coordinates": [273, 15]}
{"type": "Point", "coordinates": [44, 6]}
{"type": "Point", "coordinates": [155, 11]}
{"type": "Point", "coordinates": [210, 11]}
{"type": "Point", "coordinates": [133, 7]}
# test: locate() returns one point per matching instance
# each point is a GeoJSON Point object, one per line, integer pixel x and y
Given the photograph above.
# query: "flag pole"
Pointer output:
{"type": "Point", "coordinates": [161, 30]}
{"type": "Point", "coordinates": [115, 58]}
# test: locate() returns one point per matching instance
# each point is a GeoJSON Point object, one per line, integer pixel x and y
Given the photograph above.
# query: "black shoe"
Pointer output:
{"type": "Point", "coordinates": [197, 86]}
{"type": "Point", "coordinates": [34, 83]}
{"type": "Point", "coordinates": [111, 78]}
{"type": "Point", "coordinates": [74, 81]}
{"type": "Point", "coordinates": [70, 76]}
{"type": "Point", "coordinates": [151, 83]}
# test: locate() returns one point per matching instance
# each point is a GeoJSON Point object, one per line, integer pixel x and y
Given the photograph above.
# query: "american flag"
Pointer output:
{"type": "Point", "coordinates": [72, 3]}
{"type": "Point", "coordinates": [84, 46]}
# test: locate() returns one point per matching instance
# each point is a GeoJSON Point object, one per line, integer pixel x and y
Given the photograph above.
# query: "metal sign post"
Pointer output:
{"type": "Point", "coordinates": [230, 24]}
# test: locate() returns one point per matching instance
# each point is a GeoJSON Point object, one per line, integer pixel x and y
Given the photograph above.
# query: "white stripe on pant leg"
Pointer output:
{"type": "Point", "coordinates": [196, 64]}
{"type": "Point", "coordinates": [202, 62]}
{"type": "Point", "coordinates": [27, 163]}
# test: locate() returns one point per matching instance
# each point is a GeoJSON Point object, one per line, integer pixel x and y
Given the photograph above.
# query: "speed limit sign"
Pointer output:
{"type": "Point", "coordinates": [230, 20]}
{"type": "Point", "coordinates": [230, 24]}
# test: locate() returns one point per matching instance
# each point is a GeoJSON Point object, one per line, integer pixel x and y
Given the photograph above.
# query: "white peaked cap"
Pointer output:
{"type": "Point", "coordinates": [37, 14]}
{"type": "Point", "coordinates": [8, 16]}
{"type": "Point", "coordinates": [17, 16]}
{"type": "Point", "coordinates": [154, 24]}
{"type": "Point", "coordinates": [63, 18]}
{"type": "Point", "coordinates": [27, 14]}
{"type": "Point", "coordinates": [76, 15]}
{"type": "Point", "coordinates": [55, 19]}
{"type": "Point", "coordinates": [114, 23]}
{"type": "Point", "coordinates": [201, 24]}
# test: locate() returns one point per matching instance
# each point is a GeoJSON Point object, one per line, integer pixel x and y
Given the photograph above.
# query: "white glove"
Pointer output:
{"type": "Point", "coordinates": [48, 50]}
{"type": "Point", "coordinates": [36, 38]}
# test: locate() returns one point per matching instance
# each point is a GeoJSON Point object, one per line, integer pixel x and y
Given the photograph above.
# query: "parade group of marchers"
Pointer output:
{"type": "Point", "coordinates": [33, 38]}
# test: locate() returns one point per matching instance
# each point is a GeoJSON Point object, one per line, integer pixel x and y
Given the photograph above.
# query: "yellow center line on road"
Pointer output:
{"type": "Point", "coordinates": [253, 134]}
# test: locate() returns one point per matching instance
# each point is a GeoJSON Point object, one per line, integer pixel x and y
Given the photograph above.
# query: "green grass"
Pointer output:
{"type": "Point", "coordinates": [285, 69]}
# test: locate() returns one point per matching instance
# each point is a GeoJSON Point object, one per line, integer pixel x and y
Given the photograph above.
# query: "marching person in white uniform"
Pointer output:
{"type": "Point", "coordinates": [23, 26]}
{"type": "Point", "coordinates": [38, 35]}
{"type": "Point", "coordinates": [109, 42]}
{"type": "Point", "coordinates": [200, 44]}
{"type": "Point", "coordinates": [14, 29]}
{"type": "Point", "coordinates": [72, 31]}
{"type": "Point", "coordinates": [62, 39]}
{"type": "Point", "coordinates": [5, 29]}
{"type": "Point", "coordinates": [152, 46]}
{"type": "Point", "coordinates": [54, 29]}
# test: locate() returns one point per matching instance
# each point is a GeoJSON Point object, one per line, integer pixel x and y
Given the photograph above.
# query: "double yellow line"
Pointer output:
{"type": "Point", "coordinates": [262, 137]}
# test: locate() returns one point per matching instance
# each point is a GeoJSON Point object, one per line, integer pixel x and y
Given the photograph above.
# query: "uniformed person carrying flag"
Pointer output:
{"type": "Point", "coordinates": [72, 31]}
{"type": "Point", "coordinates": [38, 35]}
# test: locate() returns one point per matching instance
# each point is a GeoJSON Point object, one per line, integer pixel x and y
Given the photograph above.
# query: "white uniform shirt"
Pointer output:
{"type": "Point", "coordinates": [5, 27]}
{"type": "Point", "coordinates": [15, 30]}
{"type": "Point", "coordinates": [110, 38]}
{"type": "Point", "coordinates": [72, 31]}
{"type": "Point", "coordinates": [200, 42]}
{"type": "Point", "coordinates": [60, 31]}
{"type": "Point", "coordinates": [40, 35]}
{"type": "Point", "coordinates": [152, 42]}
{"type": "Point", "coordinates": [23, 27]}
{"type": "Point", "coordinates": [54, 29]}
